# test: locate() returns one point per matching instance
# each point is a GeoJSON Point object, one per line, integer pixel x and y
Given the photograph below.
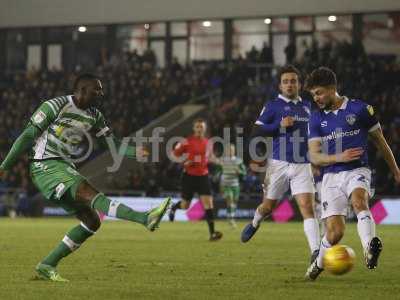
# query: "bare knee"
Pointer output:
{"type": "Point", "coordinates": [359, 200]}
{"type": "Point", "coordinates": [305, 203]}
{"type": "Point", "coordinates": [334, 236]}
{"type": "Point", "coordinates": [335, 230]}
{"type": "Point", "coordinates": [85, 193]}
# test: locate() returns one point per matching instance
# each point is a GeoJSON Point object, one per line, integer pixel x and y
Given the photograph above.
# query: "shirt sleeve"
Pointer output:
{"type": "Point", "coordinates": [268, 121]}
{"type": "Point", "coordinates": [314, 129]}
{"type": "Point", "coordinates": [368, 118]}
{"type": "Point", "coordinates": [100, 127]}
{"type": "Point", "coordinates": [43, 116]}
{"type": "Point", "coordinates": [180, 148]}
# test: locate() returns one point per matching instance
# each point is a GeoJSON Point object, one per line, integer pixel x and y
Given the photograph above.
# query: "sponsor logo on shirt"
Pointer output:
{"type": "Point", "coordinates": [39, 117]}
{"type": "Point", "coordinates": [351, 119]}
{"type": "Point", "coordinates": [324, 123]}
{"type": "Point", "coordinates": [337, 135]}
{"type": "Point", "coordinates": [301, 119]}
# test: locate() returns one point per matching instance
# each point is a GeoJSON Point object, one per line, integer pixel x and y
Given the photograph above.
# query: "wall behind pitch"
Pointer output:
{"type": "Point", "coordinates": [14, 13]}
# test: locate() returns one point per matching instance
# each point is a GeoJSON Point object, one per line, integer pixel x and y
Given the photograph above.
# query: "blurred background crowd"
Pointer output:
{"type": "Point", "coordinates": [138, 90]}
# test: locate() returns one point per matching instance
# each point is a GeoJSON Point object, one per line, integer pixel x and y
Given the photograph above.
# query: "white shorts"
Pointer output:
{"type": "Point", "coordinates": [337, 188]}
{"type": "Point", "coordinates": [280, 175]}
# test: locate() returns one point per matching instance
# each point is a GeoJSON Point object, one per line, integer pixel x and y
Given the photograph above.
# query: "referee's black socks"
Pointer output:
{"type": "Point", "coordinates": [210, 220]}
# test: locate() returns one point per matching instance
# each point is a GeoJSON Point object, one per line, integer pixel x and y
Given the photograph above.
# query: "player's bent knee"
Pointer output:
{"type": "Point", "coordinates": [184, 204]}
{"type": "Point", "coordinates": [359, 205]}
{"type": "Point", "coordinates": [85, 192]}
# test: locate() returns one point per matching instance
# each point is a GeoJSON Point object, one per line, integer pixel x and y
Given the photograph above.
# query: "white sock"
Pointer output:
{"type": "Point", "coordinates": [257, 218]}
{"type": "Point", "coordinates": [325, 245]}
{"type": "Point", "coordinates": [311, 230]}
{"type": "Point", "coordinates": [365, 227]}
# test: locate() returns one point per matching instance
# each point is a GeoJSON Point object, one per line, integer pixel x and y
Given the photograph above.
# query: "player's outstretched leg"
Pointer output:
{"type": "Point", "coordinates": [46, 269]}
{"type": "Point", "coordinates": [262, 212]}
{"type": "Point", "coordinates": [115, 209]}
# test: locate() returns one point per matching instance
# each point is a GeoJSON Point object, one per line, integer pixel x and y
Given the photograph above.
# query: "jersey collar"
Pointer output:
{"type": "Point", "coordinates": [287, 100]}
{"type": "Point", "coordinates": [342, 107]}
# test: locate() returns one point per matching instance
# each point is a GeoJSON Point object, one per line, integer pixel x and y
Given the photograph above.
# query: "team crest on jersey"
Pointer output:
{"type": "Point", "coordinates": [324, 123]}
{"type": "Point", "coordinates": [39, 117]}
{"type": "Point", "coordinates": [351, 119]}
{"type": "Point", "coordinates": [286, 108]}
{"type": "Point", "coordinates": [370, 110]}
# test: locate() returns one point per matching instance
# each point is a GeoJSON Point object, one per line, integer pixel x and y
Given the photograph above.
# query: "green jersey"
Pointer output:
{"type": "Point", "coordinates": [65, 129]}
{"type": "Point", "coordinates": [232, 168]}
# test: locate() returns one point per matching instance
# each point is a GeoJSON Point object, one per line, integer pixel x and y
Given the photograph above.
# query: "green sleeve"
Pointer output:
{"type": "Point", "coordinates": [23, 143]}
{"type": "Point", "coordinates": [40, 120]}
{"type": "Point", "coordinates": [129, 152]}
{"type": "Point", "coordinates": [102, 132]}
{"type": "Point", "coordinates": [242, 169]}
{"type": "Point", "coordinates": [43, 116]}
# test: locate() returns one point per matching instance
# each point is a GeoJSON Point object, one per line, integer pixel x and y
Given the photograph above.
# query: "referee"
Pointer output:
{"type": "Point", "coordinates": [197, 151]}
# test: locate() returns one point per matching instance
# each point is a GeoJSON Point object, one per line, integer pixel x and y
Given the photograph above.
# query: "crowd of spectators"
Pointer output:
{"type": "Point", "coordinates": [137, 91]}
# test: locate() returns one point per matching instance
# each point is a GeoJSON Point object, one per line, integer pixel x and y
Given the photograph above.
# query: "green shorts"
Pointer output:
{"type": "Point", "coordinates": [58, 181]}
{"type": "Point", "coordinates": [231, 192]}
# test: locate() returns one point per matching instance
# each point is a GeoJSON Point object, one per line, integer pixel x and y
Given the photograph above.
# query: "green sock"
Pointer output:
{"type": "Point", "coordinates": [71, 241]}
{"type": "Point", "coordinates": [118, 210]}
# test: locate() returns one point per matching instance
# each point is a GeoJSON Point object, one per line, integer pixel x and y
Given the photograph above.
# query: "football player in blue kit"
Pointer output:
{"type": "Point", "coordinates": [285, 121]}
{"type": "Point", "coordinates": [338, 137]}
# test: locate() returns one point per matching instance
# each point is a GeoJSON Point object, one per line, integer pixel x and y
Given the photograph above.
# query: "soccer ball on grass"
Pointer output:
{"type": "Point", "coordinates": [339, 259]}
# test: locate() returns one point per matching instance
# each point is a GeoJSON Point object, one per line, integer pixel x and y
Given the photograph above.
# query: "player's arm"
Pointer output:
{"type": "Point", "coordinates": [39, 122]}
{"type": "Point", "coordinates": [179, 153]}
{"type": "Point", "coordinates": [107, 139]}
{"type": "Point", "coordinates": [317, 157]}
{"type": "Point", "coordinates": [123, 148]}
{"type": "Point", "coordinates": [368, 119]}
{"type": "Point", "coordinates": [242, 169]}
{"type": "Point", "coordinates": [267, 124]}
{"type": "Point", "coordinates": [380, 143]}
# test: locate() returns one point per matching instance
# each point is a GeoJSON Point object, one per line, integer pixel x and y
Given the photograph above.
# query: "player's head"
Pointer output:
{"type": "Point", "coordinates": [289, 81]}
{"type": "Point", "coordinates": [322, 85]}
{"type": "Point", "coordinates": [88, 90]}
{"type": "Point", "coordinates": [229, 150]}
{"type": "Point", "coordinates": [199, 127]}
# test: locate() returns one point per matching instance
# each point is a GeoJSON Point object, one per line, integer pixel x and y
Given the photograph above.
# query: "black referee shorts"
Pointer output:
{"type": "Point", "coordinates": [195, 184]}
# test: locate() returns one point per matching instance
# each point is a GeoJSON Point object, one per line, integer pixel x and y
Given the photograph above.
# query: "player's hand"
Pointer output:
{"type": "Point", "coordinates": [142, 152]}
{"type": "Point", "coordinates": [188, 163]}
{"type": "Point", "coordinates": [257, 166]}
{"type": "Point", "coordinates": [287, 122]}
{"type": "Point", "coordinates": [315, 170]}
{"type": "Point", "coordinates": [350, 155]}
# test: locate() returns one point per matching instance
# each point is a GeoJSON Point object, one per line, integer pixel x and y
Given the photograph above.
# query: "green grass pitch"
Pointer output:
{"type": "Point", "coordinates": [124, 261]}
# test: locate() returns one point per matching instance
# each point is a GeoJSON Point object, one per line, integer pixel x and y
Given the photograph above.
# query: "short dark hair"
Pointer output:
{"type": "Point", "coordinates": [322, 76]}
{"type": "Point", "coordinates": [84, 77]}
{"type": "Point", "coordinates": [288, 69]}
{"type": "Point", "coordinates": [199, 120]}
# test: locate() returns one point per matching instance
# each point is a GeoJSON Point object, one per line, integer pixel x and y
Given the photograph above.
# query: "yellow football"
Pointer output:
{"type": "Point", "coordinates": [339, 259]}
